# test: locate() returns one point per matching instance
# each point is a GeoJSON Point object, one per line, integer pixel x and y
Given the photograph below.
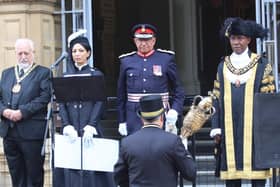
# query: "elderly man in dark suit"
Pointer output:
{"type": "Point", "coordinates": [24, 96]}
{"type": "Point", "coordinates": [152, 157]}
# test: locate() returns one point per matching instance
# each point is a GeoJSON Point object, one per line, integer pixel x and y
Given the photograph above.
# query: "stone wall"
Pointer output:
{"type": "Point", "coordinates": [31, 19]}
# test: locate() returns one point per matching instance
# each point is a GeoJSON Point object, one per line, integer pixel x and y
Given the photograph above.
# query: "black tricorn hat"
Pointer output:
{"type": "Point", "coordinates": [238, 26]}
{"type": "Point", "coordinates": [150, 106]}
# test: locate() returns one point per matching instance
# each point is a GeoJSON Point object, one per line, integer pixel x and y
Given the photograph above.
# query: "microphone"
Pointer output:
{"type": "Point", "coordinates": [59, 59]}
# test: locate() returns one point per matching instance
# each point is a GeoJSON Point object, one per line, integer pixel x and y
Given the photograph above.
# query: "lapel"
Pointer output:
{"type": "Point", "coordinates": [10, 84]}
{"type": "Point", "coordinates": [24, 83]}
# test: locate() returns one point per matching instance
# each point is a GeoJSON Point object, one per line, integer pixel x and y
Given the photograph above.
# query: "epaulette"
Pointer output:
{"type": "Point", "coordinates": [166, 51]}
{"type": "Point", "coordinates": [127, 54]}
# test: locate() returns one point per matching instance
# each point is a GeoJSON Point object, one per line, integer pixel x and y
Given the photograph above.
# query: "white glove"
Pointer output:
{"type": "Point", "coordinates": [170, 122]}
{"type": "Point", "coordinates": [89, 131]}
{"type": "Point", "coordinates": [171, 117]}
{"type": "Point", "coordinates": [171, 128]}
{"type": "Point", "coordinates": [185, 142]}
{"type": "Point", "coordinates": [122, 129]}
{"type": "Point", "coordinates": [215, 131]}
{"type": "Point", "coordinates": [70, 131]}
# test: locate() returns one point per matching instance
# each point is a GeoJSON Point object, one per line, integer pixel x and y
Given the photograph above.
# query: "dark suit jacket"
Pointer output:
{"type": "Point", "coordinates": [152, 157]}
{"type": "Point", "coordinates": [32, 101]}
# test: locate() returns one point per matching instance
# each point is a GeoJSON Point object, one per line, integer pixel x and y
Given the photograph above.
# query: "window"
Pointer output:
{"type": "Point", "coordinates": [75, 15]}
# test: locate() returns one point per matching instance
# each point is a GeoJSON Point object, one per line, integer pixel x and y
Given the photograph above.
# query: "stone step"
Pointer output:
{"type": "Point", "coordinates": [206, 171]}
{"type": "Point", "coordinates": [203, 134]}
{"type": "Point", "coordinates": [205, 164]}
{"type": "Point", "coordinates": [109, 123]}
{"type": "Point", "coordinates": [202, 147]}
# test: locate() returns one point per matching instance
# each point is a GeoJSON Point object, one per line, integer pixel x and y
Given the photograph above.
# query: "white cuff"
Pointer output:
{"type": "Point", "coordinates": [214, 132]}
{"type": "Point", "coordinates": [185, 142]}
{"type": "Point", "coordinates": [90, 129]}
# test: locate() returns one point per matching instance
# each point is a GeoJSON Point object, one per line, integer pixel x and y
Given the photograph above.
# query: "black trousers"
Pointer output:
{"type": "Point", "coordinates": [24, 159]}
{"type": "Point", "coordinates": [237, 183]}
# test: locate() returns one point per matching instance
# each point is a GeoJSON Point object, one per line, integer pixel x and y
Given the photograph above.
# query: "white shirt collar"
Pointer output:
{"type": "Point", "coordinates": [80, 67]}
{"type": "Point", "coordinates": [240, 60]}
{"type": "Point", "coordinates": [25, 68]}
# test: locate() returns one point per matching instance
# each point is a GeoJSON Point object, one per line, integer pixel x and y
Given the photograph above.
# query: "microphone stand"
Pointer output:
{"type": "Point", "coordinates": [59, 60]}
{"type": "Point", "coordinates": [49, 116]}
{"type": "Point", "coordinates": [49, 119]}
{"type": "Point", "coordinates": [81, 171]}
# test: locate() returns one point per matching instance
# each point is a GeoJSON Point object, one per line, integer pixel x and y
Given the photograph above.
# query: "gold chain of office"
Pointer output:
{"type": "Point", "coordinates": [240, 71]}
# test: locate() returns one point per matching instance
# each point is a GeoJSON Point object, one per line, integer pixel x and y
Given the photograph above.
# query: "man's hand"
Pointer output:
{"type": "Point", "coordinates": [170, 123]}
{"type": "Point", "coordinates": [122, 129]}
{"type": "Point", "coordinates": [217, 139]}
{"type": "Point", "coordinates": [7, 113]}
{"type": "Point", "coordinates": [16, 115]}
{"type": "Point", "coordinates": [13, 115]}
{"type": "Point", "coordinates": [171, 128]}
{"type": "Point", "coordinates": [171, 117]}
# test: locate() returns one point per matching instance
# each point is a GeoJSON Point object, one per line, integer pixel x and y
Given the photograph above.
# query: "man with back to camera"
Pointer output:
{"type": "Point", "coordinates": [152, 157]}
{"type": "Point", "coordinates": [24, 96]}
{"type": "Point", "coordinates": [147, 72]}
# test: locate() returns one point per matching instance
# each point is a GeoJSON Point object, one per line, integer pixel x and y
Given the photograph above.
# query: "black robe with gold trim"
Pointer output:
{"type": "Point", "coordinates": [234, 116]}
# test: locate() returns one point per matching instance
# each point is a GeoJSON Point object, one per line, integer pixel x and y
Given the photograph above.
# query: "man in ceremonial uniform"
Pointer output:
{"type": "Point", "coordinates": [24, 96]}
{"type": "Point", "coordinates": [146, 72]}
{"type": "Point", "coordinates": [239, 77]}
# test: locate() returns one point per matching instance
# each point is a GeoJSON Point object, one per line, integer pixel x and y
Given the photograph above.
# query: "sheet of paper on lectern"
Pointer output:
{"type": "Point", "coordinates": [101, 156]}
{"type": "Point", "coordinates": [65, 153]}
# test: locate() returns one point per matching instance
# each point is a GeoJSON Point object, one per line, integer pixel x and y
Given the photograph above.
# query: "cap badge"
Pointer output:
{"type": "Point", "coordinates": [143, 29]}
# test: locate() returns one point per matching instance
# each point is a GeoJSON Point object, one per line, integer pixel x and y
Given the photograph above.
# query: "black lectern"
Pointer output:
{"type": "Point", "coordinates": [79, 88]}
{"type": "Point", "coordinates": [267, 132]}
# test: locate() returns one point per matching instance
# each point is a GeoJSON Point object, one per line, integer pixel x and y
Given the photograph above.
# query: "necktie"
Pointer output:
{"type": "Point", "coordinates": [21, 73]}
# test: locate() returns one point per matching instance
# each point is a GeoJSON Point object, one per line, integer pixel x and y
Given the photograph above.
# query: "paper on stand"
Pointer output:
{"type": "Point", "coordinates": [101, 156]}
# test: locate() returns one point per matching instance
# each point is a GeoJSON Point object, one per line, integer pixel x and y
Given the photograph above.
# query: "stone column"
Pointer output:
{"type": "Point", "coordinates": [31, 19]}
{"type": "Point", "coordinates": [185, 44]}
